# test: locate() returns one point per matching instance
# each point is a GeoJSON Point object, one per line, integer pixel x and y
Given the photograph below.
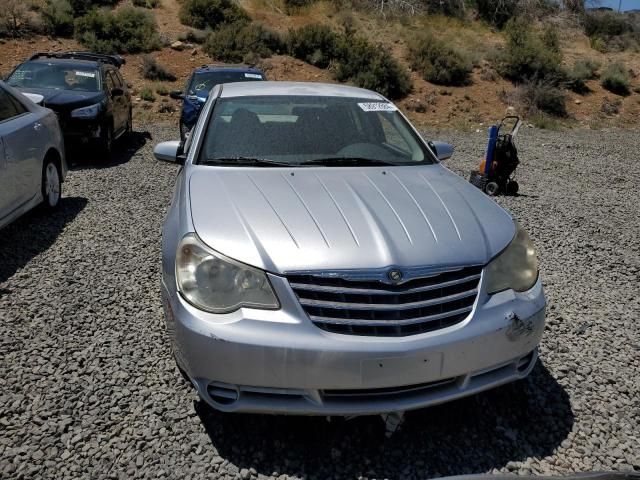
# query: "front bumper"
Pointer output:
{"type": "Point", "coordinates": [279, 362]}
{"type": "Point", "coordinates": [78, 131]}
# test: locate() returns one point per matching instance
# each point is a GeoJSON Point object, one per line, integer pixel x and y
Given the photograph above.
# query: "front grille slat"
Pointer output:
{"type": "Point", "coordinates": [309, 287]}
{"type": "Point", "coordinates": [364, 306]}
{"type": "Point", "coordinates": [385, 306]}
{"type": "Point", "coordinates": [382, 323]}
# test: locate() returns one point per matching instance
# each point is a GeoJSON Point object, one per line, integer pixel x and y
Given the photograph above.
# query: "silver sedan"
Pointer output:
{"type": "Point", "coordinates": [32, 162]}
{"type": "Point", "coordinates": [317, 258]}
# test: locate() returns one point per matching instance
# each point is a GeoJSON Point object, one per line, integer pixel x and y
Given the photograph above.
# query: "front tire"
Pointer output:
{"type": "Point", "coordinates": [106, 141]}
{"type": "Point", "coordinates": [130, 123]}
{"type": "Point", "coordinates": [51, 184]}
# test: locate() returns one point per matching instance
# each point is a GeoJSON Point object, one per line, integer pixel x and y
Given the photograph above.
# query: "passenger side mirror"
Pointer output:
{"type": "Point", "coordinates": [442, 150]}
{"type": "Point", "coordinates": [117, 92]}
{"type": "Point", "coordinates": [176, 95]}
{"type": "Point", "coordinates": [169, 152]}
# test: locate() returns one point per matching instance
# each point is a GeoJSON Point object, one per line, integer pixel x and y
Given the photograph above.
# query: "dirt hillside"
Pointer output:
{"type": "Point", "coordinates": [470, 107]}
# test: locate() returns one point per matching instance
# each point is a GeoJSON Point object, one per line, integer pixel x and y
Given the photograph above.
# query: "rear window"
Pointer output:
{"type": "Point", "coordinates": [202, 83]}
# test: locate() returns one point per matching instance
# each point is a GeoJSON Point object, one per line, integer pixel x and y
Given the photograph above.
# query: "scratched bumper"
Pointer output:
{"type": "Point", "coordinates": [278, 361]}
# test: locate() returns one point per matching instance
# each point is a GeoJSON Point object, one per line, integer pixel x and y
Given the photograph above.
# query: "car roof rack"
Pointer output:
{"type": "Point", "coordinates": [116, 60]}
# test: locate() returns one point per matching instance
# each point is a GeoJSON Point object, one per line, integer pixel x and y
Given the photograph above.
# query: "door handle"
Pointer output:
{"type": "Point", "coordinates": [37, 126]}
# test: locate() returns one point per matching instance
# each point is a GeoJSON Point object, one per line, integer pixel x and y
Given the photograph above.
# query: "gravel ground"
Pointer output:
{"type": "Point", "coordinates": [88, 387]}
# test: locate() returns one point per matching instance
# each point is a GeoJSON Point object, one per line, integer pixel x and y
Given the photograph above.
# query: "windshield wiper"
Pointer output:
{"type": "Point", "coordinates": [254, 161]}
{"type": "Point", "coordinates": [329, 161]}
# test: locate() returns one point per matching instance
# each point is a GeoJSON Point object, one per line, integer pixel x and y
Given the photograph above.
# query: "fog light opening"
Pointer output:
{"type": "Point", "coordinates": [524, 362]}
{"type": "Point", "coordinates": [223, 394]}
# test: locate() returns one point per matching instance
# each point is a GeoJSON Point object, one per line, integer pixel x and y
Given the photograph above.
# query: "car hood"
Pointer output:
{"type": "Point", "coordinates": [65, 99]}
{"type": "Point", "coordinates": [309, 219]}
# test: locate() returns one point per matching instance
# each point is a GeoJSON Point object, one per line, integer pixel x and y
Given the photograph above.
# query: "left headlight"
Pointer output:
{"type": "Point", "coordinates": [516, 267]}
{"type": "Point", "coordinates": [86, 112]}
{"type": "Point", "coordinates": [212, 282]}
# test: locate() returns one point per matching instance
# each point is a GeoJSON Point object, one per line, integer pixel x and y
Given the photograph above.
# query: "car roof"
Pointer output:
{"type": "Point", "coordinates": [253, 89]}
{"type": "Point", "coordinates": [227, 68]}
{"type": "Point", "coordinates": [67, 61]}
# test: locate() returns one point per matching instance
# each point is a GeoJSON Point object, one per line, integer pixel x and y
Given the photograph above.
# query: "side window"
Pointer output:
{"type": "Point", "coordinates": [117, 77]}
{"type": "Point", "coordinates": [8, 107]}
{"type": "Point", "coordinates": [108, 81]}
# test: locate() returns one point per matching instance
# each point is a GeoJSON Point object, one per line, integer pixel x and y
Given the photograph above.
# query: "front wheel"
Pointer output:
{"type": "Point", "coordinates": [106, 141]}
{"type": "Point", "coordinates": [51, 184]}
{"type": "Point", "coordinates": [130, 123]}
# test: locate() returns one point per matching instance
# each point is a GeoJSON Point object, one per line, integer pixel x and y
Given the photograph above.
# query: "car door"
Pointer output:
{"type": "Point", "coordinates": [116, 94]}
{"type": "Point", "coordinates": [126, 98]}
{"type": "Point", "coordinates": [21, 172]}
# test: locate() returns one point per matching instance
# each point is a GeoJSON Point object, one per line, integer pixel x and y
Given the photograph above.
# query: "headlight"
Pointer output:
{"type": "Point", "coordinates": [86, 112]}
{"type": "Point", "coordinates": [516, 267]}
{"type": "Point", "coordinates": [211, 282]}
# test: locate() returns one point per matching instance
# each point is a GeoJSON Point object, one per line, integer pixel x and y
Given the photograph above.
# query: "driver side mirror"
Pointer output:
{"type": "Point", "coordinates": [443, 150]}
{"type": "Point", "coordinates": [171, 151]}
{"type": "Point", "coordinates": [176, 95]}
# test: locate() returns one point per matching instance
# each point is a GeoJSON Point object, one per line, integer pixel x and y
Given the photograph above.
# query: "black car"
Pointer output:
{"type": "Point", "coordinates": [85, 90]}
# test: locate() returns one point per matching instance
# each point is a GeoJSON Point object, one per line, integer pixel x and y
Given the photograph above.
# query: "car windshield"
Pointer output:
{"type": "Point", "coordinates": [58, 76]}
{"type": "Point", "coordinates": [310, 130]}
{"type": "Point", "coordinates": [202, 83]}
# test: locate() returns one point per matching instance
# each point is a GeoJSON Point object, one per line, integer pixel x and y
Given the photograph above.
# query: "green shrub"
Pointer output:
{"type": "Point", "coordinates": [352, 59]}
{"type": "Point", "coordinates": [550, 38]}
{"type": "Point", "coordinates": [611, 31]}
{"type": "Point", "coordinates": [315, 44]}
{"type": "Point", "coordinates": [147, 94]}
{"type": "Point", "coordinates": [211, 13]}
{"type": "Point", "coordinates": [129, 30]}
{"type": "Point", "coordinates": [146, 3]}
{"type": "Point", "coordinates": [526, 57]}
{"type": "Point", "coordinates": [438, 62]}
{"type": "Point", "coordinates": [582, 71]}
{"type": "Point", "coordinates": [14, 19]}
{"type": "Point", "coordinates": [194, 36]}
{"type": "Point", "coordinates": [152, 70]}
{"type": "Point", "coordinates": [162, 90]}
{"type": "Point", "coordinates": [371, 66]}
{"type": "Point", "coordinates": [57, 16]}
{"type": "Point", "coordinates": [497, 13]}
{"type": "Point", "coordinates": [606, 24]}
{"type": "Point", "coordinates": [616, 79]}
{"type": "Point", "coordinates": [611, 107]}
{"type": "Point", "coordinates": [81, 7]}
{"type": "Point", "coordinates": [232, 43]}
{"type": "Point", "coordinates": [538, 97]}
{"type": "Point", "coordinates": [291, 6]}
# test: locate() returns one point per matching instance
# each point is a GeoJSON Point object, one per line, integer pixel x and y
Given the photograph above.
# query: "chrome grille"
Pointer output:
{"type": "Point", "coordinates": [371, 307]}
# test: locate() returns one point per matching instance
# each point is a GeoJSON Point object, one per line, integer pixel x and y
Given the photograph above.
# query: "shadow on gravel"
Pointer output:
{"type": "Point", "coordinates": [472, 435]}
{"type": "Point", "coordinates": [123, 150]}
{"type": "Point", "coordinates": [32, 234]}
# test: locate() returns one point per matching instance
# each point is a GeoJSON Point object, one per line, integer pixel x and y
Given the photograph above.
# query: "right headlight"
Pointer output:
{"type": "Point", "coordinates": [86, 112]}
{"type": "Point", "coordinates": [516, 267]}
{"type": "Point", "coordinates": [217, 284]}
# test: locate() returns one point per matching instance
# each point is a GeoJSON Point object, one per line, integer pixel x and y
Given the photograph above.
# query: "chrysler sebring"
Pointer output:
{"type": "Point", "coordinates": [317, 258]}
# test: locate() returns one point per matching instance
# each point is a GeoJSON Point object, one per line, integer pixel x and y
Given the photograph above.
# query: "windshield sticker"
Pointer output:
{"type": "Point", "coordinates": [85, 74]}
{"type": "Point", "coordinates": [377, 107]}
{"type": "Point", "coordinates": [253, 75]}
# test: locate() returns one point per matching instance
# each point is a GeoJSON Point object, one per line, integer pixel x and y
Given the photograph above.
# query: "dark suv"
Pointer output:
{"type": "Point", "coordinates": [200, 83]}
{"type": "Point", "coordinates": [85, 90]}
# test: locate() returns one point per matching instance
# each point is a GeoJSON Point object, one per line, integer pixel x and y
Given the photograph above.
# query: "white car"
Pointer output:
{"type": "Point", "coordinates": [32, 161]}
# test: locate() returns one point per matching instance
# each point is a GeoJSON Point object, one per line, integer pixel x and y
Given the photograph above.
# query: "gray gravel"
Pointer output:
{"type": "Point", "coordinates": [88, 387]}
